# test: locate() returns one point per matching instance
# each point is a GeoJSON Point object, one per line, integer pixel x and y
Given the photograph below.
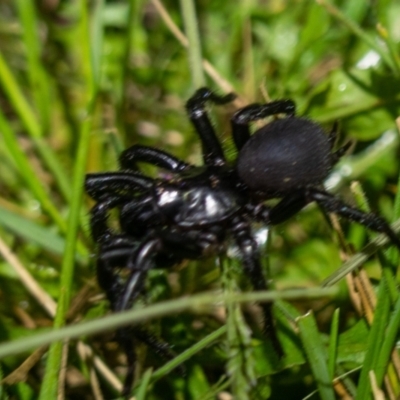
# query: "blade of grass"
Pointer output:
{"type": "Point", "coordinates": [27, 280]}
{"type": "Point", "coordinates": [356, 108]}
{"type": "Point", "coordinates": [390, 43]}
{"type": "Point", "coordinates": [360, 258]}
{"type": "Point", "coordinates": [31, 179]}
{"type": "Point", "coordinates": [50, 381]}
{"type": "Point", "coordinates": [333, 343]}
{"type": "Point", "coordinates": [353, 27]}
{"type": "Point", "coordinates": [216, 389]}
{"type": "Point", "coordinates": [23, 109]}
{"type": "Point", "coordinates": [194, 48]}
{"type": "Point", "coordinates": [187, 354]}
{"type": "Point", "coordinates": [49, 305]}
{"type": "Point", "coordinates": [114, 321]}
{"type": "Point", "coordinates": [142, 388]}
{"type": "Point", "coordinates": [38, 82]}
{"type": "Point", "coordinates": [134, 37]}
{"type": "Point", "coordinates": [93, 64]}
{"type": "Point", "coordinates": [50, 384]}
{"type": "Point", "coordinates": [388, 344]}
{"type": "Point", "coordinates": [32, 232]}
{"type": "Point", "coordinates": [375, 338]}
{"type": "Point", "coordinates": [387, 271]}
{"type": "Point", "coordinates": [394, 253]}
{"type": "Point", "coordinates": [211, 71]}
{"type": "Point", "coordinates": [367, 299]}
{"type": "Point", "coordinates": [352, 167]}
{"type": "Point", "coordinates": [240, 364]}
{"type": "Point", "coordinates": [316, 355]}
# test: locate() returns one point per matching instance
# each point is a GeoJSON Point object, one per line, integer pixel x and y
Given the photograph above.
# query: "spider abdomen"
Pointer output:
{"type": "Point", "coordinates": [284, 155]}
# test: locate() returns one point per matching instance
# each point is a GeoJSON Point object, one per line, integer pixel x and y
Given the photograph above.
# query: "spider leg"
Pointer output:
{"type": "Point", "coordinates": [111, 258]}
{"type": "Point", "coordinates": [293, 203]}
{"type": "Point", "coordinates": [141, 262]}
{"type": "Point", "coordinates": [333, 134]}
{"type": "Point", "coordinates": [336, 155]}
{"type": "Point", "coordinates": [131, 156]}
{"type": "Point", "coordinates": [252, 265]}
{"type": "Point", "coordinates": [122, 252]}
{"type": "Point", "coordinates": [289, 206]}
{"type": "Point", "coordinates": [117, 251]}
{"type": "Point", "coordinates": [126, 339]}
{"type": "Point", "coordinates": [339, 153]}
{"type": "Point", "coordinates": [212, 150]}
{"type": "Point", "coordinates": [141, 208]}
{"type": "Point", "coordinates": [160, 348]}
{"type": "Point", "coordinates": [254, 112]}
{"type": "Point", "coordinates": [113, 183]}
{"type": "Point", "coordinates": [99, 214]}
{"type": "Point", "coordinates": [372, 221]}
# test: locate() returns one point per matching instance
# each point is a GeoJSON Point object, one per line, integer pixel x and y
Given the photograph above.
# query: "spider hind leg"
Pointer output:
{"type": "Point", "coordinates": [195, 106]}
{"type": "Point", "coordinates": [371, 221]}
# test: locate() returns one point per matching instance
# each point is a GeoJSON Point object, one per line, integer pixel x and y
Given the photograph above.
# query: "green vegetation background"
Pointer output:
{"type": "Point", "coordinates": [79, 82]}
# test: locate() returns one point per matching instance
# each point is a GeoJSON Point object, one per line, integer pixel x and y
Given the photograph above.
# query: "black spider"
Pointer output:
{"type": "Point", "coordinates": [193, 213]}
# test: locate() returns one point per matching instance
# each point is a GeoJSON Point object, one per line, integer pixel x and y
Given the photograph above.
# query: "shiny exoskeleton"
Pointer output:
{"type": "Point", "coordinates": [197, 209]}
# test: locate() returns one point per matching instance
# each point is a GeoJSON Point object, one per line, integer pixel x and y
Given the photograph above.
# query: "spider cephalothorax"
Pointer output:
{"type": "Point", "coordinates": [197, 209]}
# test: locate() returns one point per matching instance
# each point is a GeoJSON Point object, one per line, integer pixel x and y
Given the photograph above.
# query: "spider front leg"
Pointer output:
{"type": "Point", "coordinates": [212, 150]}
{"type": "Point", "coordinates": [254, 112]}
{"type": "Point", "coordinates": [131, 156]}
{"type": "Point", "coordinates": [251, 261]}
{"type": "Point", "coordinates": [113, 255]}
{"type": "Point", "coordinates": [101, 233]}
{"type": "Point", "coordinates": [122, 252]}
{"type": "Point", "coordinates": [98, 186]}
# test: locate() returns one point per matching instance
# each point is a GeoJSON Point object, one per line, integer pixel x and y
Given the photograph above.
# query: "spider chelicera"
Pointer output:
{"type": "Point", "coordinates": [197, 209]}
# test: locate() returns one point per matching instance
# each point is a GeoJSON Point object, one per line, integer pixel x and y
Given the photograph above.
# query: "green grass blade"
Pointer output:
{"type": "Point", "coordinates": [38, 81]}
{"type": "Point", "coordinates": [240, 364]}
{"type": "Point", "coordinates": [360, 258]}
{"type": "Point", "coordinates": [50, 384]}
{"type": "Point", "coordinates": [23, 109]}
{"type": "Point", "coordinates": [188, 353]}
{"type": "Point", "coordinates": [333, 343]}
{"type": "Point", "coordinates": [388, 344]}
{"type": "Point", "coordinates": [28, 174]}
{"type": "Point", "coordinates": [32, 232]}
{"type": "Point", "coordinates": [131, 317]}
{"type": "Point", "coordinates": [394, 253]}
{"type": "Point", "coordinates": [353, 27]}
{"type": "Point", "coordinates": [375, 339]}
{"type": "Point", "coordinates": [316, 355]}
{"type": "Point", "coordinates": [194, 49]}
{"type": "Point", "coordinates": [141, 391]}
